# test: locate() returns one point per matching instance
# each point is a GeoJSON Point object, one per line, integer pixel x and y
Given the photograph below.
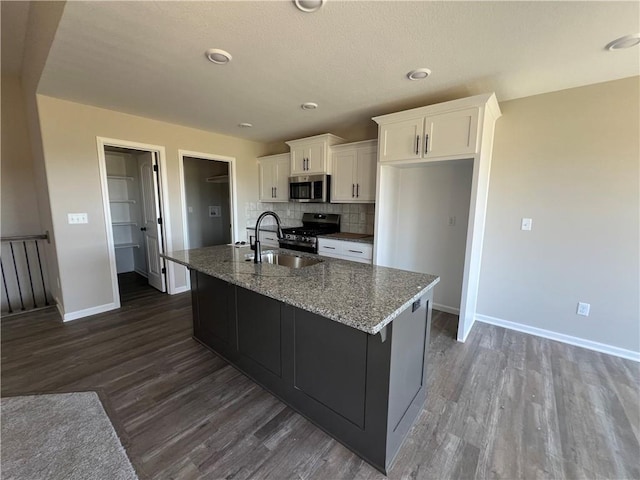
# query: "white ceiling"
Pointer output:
{"type": "Point", "coordinates": [147, 58]}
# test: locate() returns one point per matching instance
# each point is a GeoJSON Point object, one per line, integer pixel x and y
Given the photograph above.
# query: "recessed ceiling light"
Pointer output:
{"type": "Point", "coordinates": [627, 41]}
{"type": "Point", "coordinates": [418, 74]}
{"type": "Point", "coordinates": [245, 125]}
{"type": "Point", "coordinates": [217, 56]}
{"type": "Point", "coordinates": [309, 6]}
{"type": "Point", "coordinates": [309, 106]}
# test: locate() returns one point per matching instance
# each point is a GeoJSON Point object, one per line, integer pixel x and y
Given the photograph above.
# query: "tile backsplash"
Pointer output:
{"type": "Point", "coordinates": [354, 217]}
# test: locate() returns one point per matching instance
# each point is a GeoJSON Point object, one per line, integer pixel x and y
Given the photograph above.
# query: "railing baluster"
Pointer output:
{"type": "Point", "coordinates": [44, 288]}
{"type": "Point", "coordinates": [26, 256]}
{"type": "Point", "coordinates": [6, 290]}
{"type": "Point", "coordinates": [14, 288]}
{"type": "Point", "coordinates": [15, 267]}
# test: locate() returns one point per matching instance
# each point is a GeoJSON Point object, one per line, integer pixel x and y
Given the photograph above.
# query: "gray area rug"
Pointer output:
{"type": "Point", "coordinates": [66, 436]}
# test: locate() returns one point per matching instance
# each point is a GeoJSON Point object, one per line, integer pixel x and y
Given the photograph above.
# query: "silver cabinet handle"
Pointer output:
{"type": "Point", "coordinates": [329, 248]}
{"type": "Point", "coordinates": [426, 144]}
{"type": "Point", "coordinates": [357, 190]}
{"type": "Point", "coordinates": [355, 251]}
{"type": "Point", "coordinates": [353, 190]}
{"type": "Point", "coordinates": [417, 142]}
{"type": "Point", "coordinates": [275, 192]}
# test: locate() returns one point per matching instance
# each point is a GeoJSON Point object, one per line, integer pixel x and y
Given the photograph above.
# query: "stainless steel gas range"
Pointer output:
{"type": "Point", "coordinates": [305, 238]}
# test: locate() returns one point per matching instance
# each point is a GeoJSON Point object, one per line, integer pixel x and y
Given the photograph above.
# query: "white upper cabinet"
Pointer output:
{"type": "Point", "coordinates": [417, 134]}
{"type": "Point", "coordinates": [401, 140]}
{"type": "Point", "coordinates": [274, 178]}
{"type": "Point", "coordinates": [354, 172]}
{"type": "Point", "coordinates": [312, 155]}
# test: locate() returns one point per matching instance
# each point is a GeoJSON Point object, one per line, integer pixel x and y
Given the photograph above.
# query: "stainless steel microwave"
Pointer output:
{"type": "Point", "coordinates": [309, 188]}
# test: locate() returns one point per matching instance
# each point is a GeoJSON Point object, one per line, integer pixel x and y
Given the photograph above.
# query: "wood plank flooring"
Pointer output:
{"type": "Point", "coordinates": [504, 405]}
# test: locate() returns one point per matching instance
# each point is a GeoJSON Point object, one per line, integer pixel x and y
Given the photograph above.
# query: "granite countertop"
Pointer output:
{"type": "Point", "coordinates": [362, 296]}
{"type": "Point", "coordinates": [349, 237]}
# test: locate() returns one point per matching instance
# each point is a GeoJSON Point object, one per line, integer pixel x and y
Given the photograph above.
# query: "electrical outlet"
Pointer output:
{"type": "Point", "coordinates": [526, 224]}
{"type": "Point", "coordinates": [452, 221]}
{"type": "Point", "coordinates": [583, 309]}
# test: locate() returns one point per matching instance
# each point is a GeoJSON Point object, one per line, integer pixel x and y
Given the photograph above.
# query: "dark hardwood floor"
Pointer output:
{"type": "Point", "coordinates": [502, 405]}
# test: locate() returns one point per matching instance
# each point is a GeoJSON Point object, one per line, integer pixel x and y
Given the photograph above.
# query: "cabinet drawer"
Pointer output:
{"type": "Point", "coordinates": [358, 250]}
{"type": "Point", "coordinates": [329, 246]}
{"type": "Point", "coordinates": [267, 239]}
{"type": "Point", "coordinates": [355, 251]}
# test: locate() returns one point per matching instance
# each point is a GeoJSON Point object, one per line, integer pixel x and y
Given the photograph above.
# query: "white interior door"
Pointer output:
{"type": "Point", "coordinates": [151, 223]}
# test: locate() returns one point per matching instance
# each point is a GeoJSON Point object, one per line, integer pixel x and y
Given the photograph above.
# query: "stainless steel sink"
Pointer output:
{"type": "Point", "coordinates": [284, 260]}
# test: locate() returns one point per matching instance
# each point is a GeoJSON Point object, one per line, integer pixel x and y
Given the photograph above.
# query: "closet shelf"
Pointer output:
{"type": "Point", "coordinates": [121, 224]}
{"type": "Point", "coordinates": [122, 201]}
{"type": "Point", "coordinates": [127, 245]}
{"type": "Point", "coordinates": [119, 177]}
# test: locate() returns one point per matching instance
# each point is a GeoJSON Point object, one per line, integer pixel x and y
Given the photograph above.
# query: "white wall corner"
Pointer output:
{"type": "Point", "coordinates": [561, 337]}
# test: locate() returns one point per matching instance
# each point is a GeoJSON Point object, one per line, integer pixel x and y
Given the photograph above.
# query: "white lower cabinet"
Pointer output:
{"type": "Point", "coordinates": [346, 250]}
{"type": "Point", "coordinates": [267, 239]}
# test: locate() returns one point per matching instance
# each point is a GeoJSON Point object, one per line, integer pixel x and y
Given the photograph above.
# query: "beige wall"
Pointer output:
{"type": "Point", "coordinates": [570, 161]}
{"type": "Point", "coordinates": [42, 25]}
{"type": "Point", "coordinates": [20, 214]}
{"type": "Point", "coordinates": [69, 132]}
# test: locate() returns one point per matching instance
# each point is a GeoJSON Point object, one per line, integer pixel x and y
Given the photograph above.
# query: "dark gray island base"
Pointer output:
{"type": "Point", "coordinates": [365, 390]}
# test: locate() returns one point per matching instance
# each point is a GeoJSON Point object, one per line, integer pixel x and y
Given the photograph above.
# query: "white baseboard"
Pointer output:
{"type": "Point", "coordinates": [561, 337]}
{"type": "Point", "coordinates": [88, 311]}
{"type": "Point", "coordinates": [182, 289]}
{"type": "Point", "coordinates": [446, 309]}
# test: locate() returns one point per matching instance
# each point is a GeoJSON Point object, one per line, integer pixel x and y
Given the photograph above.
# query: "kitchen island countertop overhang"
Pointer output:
{"type": "Point", "coordinates": [365, 297]}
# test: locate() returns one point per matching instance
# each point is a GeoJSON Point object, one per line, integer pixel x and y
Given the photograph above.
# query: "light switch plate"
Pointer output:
{"type": "Point", "coordinates": [526, 224]}
{"type": "Point", "coordinates": [76, 218]}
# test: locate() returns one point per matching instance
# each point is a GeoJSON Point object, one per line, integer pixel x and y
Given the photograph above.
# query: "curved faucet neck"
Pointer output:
{"type": "Point", "coordinates": [257, 257]}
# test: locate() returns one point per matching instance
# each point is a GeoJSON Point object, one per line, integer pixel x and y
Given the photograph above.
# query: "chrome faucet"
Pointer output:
{"type": "Point", "coordinates": [257, 257]}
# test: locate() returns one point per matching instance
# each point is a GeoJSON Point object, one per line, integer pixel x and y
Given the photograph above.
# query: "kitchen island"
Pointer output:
{"type": "Point", "coordinates": [343, 343]}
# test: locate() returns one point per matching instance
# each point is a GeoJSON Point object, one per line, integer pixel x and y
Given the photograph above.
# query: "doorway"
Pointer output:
{"type": "Point", "coordinates": [134, 215]}
{"type": "Point", "coordinates": [208, 197]}
{"type": "Point", "coordinates": [208, 205]}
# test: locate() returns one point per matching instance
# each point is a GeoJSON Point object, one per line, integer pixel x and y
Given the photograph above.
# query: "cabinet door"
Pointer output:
{"type": "Point", "coordinates": [316, 158]}
{"type": "Point", "coordinates": [365, 176]}
{"type": "Point", "coordinates": [401, 140]}
{"type": "Point", "coordinates": [342, 180]}
{"type": "Point", "coordinates": [450, 134]}
{"type": "Point", "coordinates": [213, 322]}
{"type": "Point", "coordinates": [299, 160]}
{"type": "Point", "coordinates": [281, 181]}
{"type": "Point", "coordinates": [268, 174]}
{"type": "Point", "coordinates": [259, 330]}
